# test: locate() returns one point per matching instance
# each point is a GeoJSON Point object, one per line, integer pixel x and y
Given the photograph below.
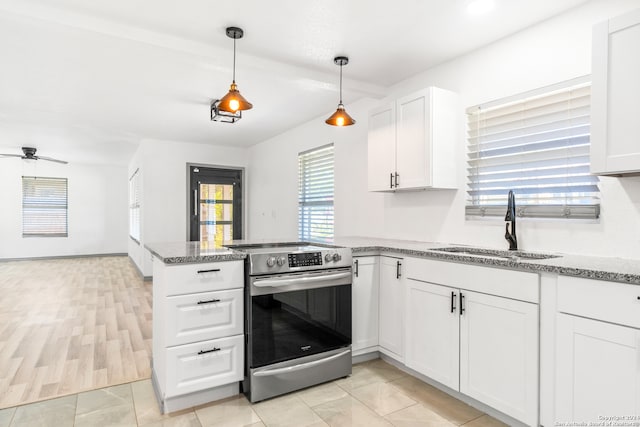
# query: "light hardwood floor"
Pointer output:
{"type": "Point", "coordinates": [70, 325]}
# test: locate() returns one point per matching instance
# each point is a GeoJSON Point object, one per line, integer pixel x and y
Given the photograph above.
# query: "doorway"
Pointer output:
{"type": "Point", "coordinates": [215, 204]}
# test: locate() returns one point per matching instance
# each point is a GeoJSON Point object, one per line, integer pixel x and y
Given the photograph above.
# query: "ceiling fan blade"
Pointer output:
{"type": "Point", "coordinates": [10, 155]}
{"type": "Point", "coordinates": [52, 160]}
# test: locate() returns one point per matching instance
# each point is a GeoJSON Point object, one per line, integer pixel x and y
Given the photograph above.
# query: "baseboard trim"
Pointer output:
{"type": "Point", "coordinates": [140, 273]}
{"type": "Point", "coordinates": [62, 257]}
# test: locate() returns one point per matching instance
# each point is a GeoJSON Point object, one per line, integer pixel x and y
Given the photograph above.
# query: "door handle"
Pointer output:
{"type": "Point", "coordinates": [453, 301]}
{"type": "Point", "coordinates": [397, 176]}
{"type": "Point", "coordinates": [355, 263]}
{"type": "Point", "coordinates": [391, 180]}
{"type": "Point", "coordinates": [398, 265]}
{"type": "Point", "coordinates": [195, 202]}
{"type": "Point", "coordinates": [462, 309]}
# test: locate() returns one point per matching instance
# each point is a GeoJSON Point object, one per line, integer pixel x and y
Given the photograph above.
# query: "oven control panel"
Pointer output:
{"type": "Point", "coordinates": [305, 259]}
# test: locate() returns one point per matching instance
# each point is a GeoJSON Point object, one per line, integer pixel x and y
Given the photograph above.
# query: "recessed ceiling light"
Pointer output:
{"type": "Point", "coordinates": [479, 7]}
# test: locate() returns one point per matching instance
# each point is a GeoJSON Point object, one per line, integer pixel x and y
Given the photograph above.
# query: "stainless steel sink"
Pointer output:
{"type": "Point", "coordinates": [494, 253]}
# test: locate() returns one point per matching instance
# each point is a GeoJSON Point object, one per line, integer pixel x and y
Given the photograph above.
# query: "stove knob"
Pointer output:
{"type": "Point", "coordinates": [281, 261]}
{"type": "Point", "coordinates": [328, 258]}
{"type": "Point", "coordinates": [271, 261]}
{"type": "Point", "coordinates": [337, 257]}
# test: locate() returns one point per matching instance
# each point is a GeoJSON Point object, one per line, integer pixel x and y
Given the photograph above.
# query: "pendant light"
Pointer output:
{"type": "Point", "coordinates": [340, 117]}
{"type": "Point", "coordinates": [233, 102]}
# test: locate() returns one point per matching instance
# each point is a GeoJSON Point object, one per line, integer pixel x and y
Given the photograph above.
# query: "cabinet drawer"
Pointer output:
{"type": "Point", "coordinates": [204, 316]}
{"type": "Point", "coordinates": [194, 367]}
{"type": "Point", "coordinates": [496, 281]}
{"type": "Point", "coordinates": [191, 278]}
{"type": "Point", "coordinates": [609, 301]}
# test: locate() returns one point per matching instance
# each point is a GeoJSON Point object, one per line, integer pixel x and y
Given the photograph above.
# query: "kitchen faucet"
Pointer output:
{"type": "Point", "coordinates": [510, 217]}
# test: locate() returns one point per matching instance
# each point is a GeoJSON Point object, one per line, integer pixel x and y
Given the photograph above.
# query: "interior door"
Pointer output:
{"type": "Point", "coordinates": [215, 204]}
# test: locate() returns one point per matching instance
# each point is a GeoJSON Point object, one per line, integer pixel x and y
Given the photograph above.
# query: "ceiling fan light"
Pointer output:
{"type": "Point", "coordinates": [233, 101]}
{"type": "Point", "coordinates": [340, 118]}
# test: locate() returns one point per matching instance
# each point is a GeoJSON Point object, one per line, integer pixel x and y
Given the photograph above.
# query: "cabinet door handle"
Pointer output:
{"type": "Point", "coordinates": [213, 270]}
{"type": "Point", "coordinates": [391, 180]}
{"type": "Point", "coordinates": [209, 351]}
{"type": "Point", "coordinates": [454, 297]}
{"type": "Point", "coordinates": [355, 263]}
{"type": "Point", "coordinates": [398, 264]}
{"type": "Point", "coordinates": [209, 301]}
{"type": "Point", "coordinates": [397, 181]}
{"type": "Point", "coordinates": [462, 309]}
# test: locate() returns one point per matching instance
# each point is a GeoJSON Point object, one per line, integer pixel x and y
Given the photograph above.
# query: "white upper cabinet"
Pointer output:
{"type": "Point", "coordinates": [412, 142]}
{"type": "Point", "coordinates": [615, 99]}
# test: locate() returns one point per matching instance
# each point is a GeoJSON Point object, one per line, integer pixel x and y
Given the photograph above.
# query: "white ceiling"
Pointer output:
{"type": "Point", "coordinates": [107, 73]}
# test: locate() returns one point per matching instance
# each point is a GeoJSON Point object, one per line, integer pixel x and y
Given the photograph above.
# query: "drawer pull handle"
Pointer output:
{"type": "Point", "coordinates": [638, 297]}
{"type": "Point", "coordinates": [209, 351]}
{"type": "Point", "coordinates": [209, 302]}
{"type": "Point", "coordinates": [213, 270]}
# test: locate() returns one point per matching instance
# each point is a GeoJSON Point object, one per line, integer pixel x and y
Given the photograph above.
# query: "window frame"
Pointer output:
{"type": "Point", "coordinates": [316, 197]}
{"type": "Point", "coordinates": [588, 207]}
{"type": "Point", "coordinates": [44, 205]}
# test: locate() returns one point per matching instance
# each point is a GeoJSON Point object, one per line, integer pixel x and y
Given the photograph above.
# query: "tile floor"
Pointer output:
{"type": "Point", "coordinates": [376, 394]}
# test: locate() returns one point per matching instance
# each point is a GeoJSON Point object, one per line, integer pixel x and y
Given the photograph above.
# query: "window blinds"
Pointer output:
{"type": "Point", "coordinates": [537, 146]}
{"type": "Point", "coordinates": [44, 206]}
{"type": "Point", "coordinates": [134, 206]}
{"type": "Point", "coordinates": [315, 194]}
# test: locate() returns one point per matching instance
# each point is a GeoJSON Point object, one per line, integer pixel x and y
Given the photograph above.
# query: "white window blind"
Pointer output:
{"type": "Point", "coordinates": [44, 206]}
{"type": "Point", "coordinates": [315, 194]}
{"type": "Point", "coordinates": [134, 206]}
{"type": "Point", "coordinates": [538, 146]}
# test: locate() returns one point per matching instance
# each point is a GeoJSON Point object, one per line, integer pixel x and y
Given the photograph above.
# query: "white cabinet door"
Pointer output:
{"type": "Point", "coordinates": [615, 104]}
{"type": "Point", "coordinates": [432, 346]}
{"type": "Point", "coordinates": [597, 370]}
{"type": "Point", "coordinates": [381, 154]}
{"type": "Point", "coordinates": [391, 307]}
{"type": "Point", "coordinates": [413, 140]}
{"type": "Point", "coordinates": [499, 354]}
{"type": "Point", "coordinates": [365, 303]}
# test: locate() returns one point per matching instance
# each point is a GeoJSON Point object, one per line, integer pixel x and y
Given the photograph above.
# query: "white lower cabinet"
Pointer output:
{"type": "Point", "coordinates": [597, 370]}
{"type": "Point", "coordinates": [198, 332]}
{"type": "Point", "coordinates": [597, 352]}
{"type": "Point", "coordinates": [391, 309]}
{"type": "Point", "coordinates": [499, 354]}
{"type": "Point", "coordinates": [485, 346]}
{"type": "Point", "coordinates": [364, 302]}
{"type": "Point", "coordinates": [433, 324]}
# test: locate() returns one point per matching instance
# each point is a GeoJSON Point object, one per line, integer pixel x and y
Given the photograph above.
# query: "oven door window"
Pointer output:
{"type": "Point", "coordinates": [299, 323]}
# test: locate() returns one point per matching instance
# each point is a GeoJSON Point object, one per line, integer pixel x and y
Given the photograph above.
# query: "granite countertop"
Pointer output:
{"type": "Point", "coordinates": [192, 252]}
{"type": "Point", "coordinates": [589, 267]}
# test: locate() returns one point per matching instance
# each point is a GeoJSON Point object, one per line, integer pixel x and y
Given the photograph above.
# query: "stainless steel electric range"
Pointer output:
{"type": "Point", "coordinates": [298, 317]}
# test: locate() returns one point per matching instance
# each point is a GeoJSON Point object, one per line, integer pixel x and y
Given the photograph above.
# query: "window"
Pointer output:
{"type": "Point", "coordinates": [134, 206]}
{"type": "Point", "coordinates": [315, 194]}
{"type": "Point", "coordinates": [44, 206]}
{"type": "Point", "coordinates": [536, 144]}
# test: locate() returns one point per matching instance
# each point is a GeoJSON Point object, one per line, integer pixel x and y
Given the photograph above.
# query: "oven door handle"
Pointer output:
{"type": "Point", "coordinates": [301, 366]}
{"type": "Point", "coordinates": [264, 283]}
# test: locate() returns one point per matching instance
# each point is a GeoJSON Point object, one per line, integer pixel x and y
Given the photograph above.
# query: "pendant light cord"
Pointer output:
{"type": "Point", "coordinates": [234, 60]}
{"type": "Point", "coordinates": [340, 83]}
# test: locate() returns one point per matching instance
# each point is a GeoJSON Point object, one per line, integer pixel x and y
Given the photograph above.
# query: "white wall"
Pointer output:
{"type": "Point", "coordinates": [97, 209]}
{"type": "Point", "coordinates": [553, 51]}
{"type": "Point", "coordinates": [163, 165]}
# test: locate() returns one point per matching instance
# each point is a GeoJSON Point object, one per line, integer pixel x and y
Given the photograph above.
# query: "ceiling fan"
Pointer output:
{"type": "Point", "coordinates": [30, 154]}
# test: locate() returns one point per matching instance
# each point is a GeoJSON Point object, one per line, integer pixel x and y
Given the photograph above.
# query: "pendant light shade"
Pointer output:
{"type": "Point", "coordinates": [233, 101]}
{"type": "Point", "coordinates": [340, 117]}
